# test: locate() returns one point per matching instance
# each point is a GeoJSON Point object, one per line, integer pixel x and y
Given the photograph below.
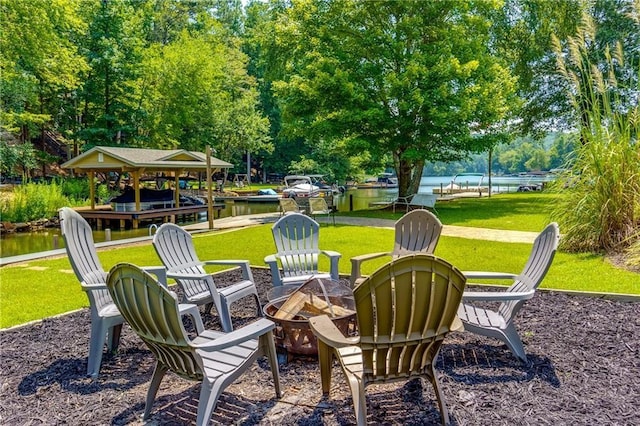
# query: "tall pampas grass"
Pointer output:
{"type": "Point", "coordinates": [601, 207]}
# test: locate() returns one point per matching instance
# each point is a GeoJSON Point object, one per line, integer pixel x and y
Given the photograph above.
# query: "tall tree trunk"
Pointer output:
{"type": "Point", "coordinates": [404, 171]}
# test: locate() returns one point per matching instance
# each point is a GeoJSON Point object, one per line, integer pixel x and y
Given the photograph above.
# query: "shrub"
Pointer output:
{"type": "Point", "coordinates": [32, 201]}
{"type": "Point", "coordinates": [601, 209]}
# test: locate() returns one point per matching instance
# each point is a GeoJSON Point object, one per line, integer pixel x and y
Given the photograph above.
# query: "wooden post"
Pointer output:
{"type": "Point", "coordinates": [92, 191]}
{"type": "Point", "coordinates": [136, 189]}
{"type": "Point", "coordinates": [176, 195]}
{"type": "Point", "coordinates": [209, 189]}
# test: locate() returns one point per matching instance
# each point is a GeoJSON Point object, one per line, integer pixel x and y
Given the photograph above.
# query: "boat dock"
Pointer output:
{"type": "Point", "coordinates": [103, 216]}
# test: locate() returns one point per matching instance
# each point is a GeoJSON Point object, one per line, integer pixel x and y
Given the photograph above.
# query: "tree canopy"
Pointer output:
{"type": "Point", "coordinates": [408, 80]}
{"type": "Point", "coordinates": [344, 87]}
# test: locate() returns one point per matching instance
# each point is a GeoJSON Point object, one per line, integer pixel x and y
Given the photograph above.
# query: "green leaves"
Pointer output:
{"type": "Point", "coordinates": [409, 78]}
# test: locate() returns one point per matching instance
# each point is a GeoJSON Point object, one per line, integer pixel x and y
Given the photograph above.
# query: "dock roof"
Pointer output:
{"type": "Point", "coordinates": [106, 158]}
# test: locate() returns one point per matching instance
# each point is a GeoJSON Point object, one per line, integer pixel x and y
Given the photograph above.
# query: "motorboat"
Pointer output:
{"type": "Point", "coordinates": [300, 186]}
{"type": "Point", "coordinates": [150, 199]}
{"type": "Point", "coordinates": [464, 183]}
{"type": "Point", "coordinates": [384, 180]}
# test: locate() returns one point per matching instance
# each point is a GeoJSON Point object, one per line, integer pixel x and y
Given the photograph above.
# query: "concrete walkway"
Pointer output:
{"type": "Point", "coordinates": [448, 230]}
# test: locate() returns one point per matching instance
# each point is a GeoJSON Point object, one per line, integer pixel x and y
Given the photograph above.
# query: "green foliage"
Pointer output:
{"type": "Point", "coordinates": [410, 79]}
{"type": "Point", "coordinates": [39, 59]}
{"type": "Point", "coordinates": [31, 201]}
{"type": "Point", "coordinates": [197, 92]}
{"type": "Point", "coordinates": [75, 188]}
{"type": "Point", "coordinates": [601, 208]}
{"type": "Point", "coordinates": [19, 158]}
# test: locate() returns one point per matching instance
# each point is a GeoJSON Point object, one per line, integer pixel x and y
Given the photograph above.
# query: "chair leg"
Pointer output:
{"type": "Point", "coordinates": [194, 312]}
{"type": "Point", "coordinates": [325, 360]}
{"type": "Point", "coordinates": [444, 413]}
{"type": "Point", "coordinates": [209, 394]}
{"type": "Point", "coordinates": [96, 345]}
{"type": "Point", "coordinates": [260, 313]}
{"type": "Point", "coordinates": [158, 374]}
{"type": "Point", "coordinates": [269, 344]}
{"type": "Point", "coordinates": [225, 316]}
{"type": "Point", "coordinates": [359, 398]}
{"type": "Point", "coordinates": [513, 342]}
{"type": "Point", "coordinates": [113, 337]}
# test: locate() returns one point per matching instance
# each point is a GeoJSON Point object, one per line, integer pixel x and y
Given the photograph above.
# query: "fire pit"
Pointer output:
{"type": "Point", "coordinates": [315, 297]}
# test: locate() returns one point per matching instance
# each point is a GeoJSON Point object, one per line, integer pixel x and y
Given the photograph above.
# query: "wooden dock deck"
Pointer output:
{"type": "Point", "coordinates": [103, 217]}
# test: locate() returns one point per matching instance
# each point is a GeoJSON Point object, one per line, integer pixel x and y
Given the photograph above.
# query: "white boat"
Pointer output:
{"type": "Point", "coordinates": [464, 182]}
{"type": "Point", "coordinates": [299, 186]}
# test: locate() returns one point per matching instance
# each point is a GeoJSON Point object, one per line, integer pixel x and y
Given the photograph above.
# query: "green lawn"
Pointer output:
{"type": "Point", "coordinates": [48, 287]}
{"type": "Point", "coordinates": [520, 211]}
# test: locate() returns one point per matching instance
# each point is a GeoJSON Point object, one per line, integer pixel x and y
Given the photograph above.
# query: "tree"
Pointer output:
{"type": "Point", "coordinates": [267, 64]}
{"type": "Point", "coordinates": [113, 47]}
{"type": "Point", "coordinates": [40, 62]}
{"type": "Point", "coordinates": [198, 93]}
{"type": "Point", "coordinates": [523, 34]}
{"type": "Point", "coordinates": [412, 79]}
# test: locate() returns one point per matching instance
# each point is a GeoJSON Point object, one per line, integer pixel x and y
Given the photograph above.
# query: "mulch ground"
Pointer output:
{"type": "Point", "coordinates": [583, 368]}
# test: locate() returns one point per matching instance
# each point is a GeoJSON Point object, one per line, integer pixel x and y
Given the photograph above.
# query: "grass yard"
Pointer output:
{"type": "Point", "coordinates": [47, 287]}
{"type": "Point", "coordinates": [519, 211]}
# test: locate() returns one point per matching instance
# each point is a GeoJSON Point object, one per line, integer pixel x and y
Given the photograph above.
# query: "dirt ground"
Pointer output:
{"type": "Point", "coordinates": [583, 368]}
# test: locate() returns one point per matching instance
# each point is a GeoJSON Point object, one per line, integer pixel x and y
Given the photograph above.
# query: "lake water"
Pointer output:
{"type": "Point", "coordinates": [353, 199]}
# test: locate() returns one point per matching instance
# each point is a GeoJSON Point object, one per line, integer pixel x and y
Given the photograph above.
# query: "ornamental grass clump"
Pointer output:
{"type": "Point", "coordinates": [600, 209]}
{"type": "Point", "coordinates": [32, 201]}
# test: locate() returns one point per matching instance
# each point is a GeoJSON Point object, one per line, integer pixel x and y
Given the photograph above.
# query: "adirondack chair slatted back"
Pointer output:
{"type": "Point", "coordinates": [78, 239]}
{"type": "Point", "coordinates": [405, 309]}
{"type": "Point", "coordinates": [152, 312]}
{"type": "Point", "coordinates": [417, 232]}
{"type": "Point", "coordinates": [318, 205]}
{"type": "Point", "coordinates": [542, 253]}
{"type": "Point", "coordinates": [175, 248]}
{"type": "Point", "coordinates": [288, 205]}
{"type": "Point", "coordinates": [296, 239]}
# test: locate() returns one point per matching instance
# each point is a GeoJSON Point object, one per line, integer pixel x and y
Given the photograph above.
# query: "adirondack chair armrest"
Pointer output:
{"type": "Point", "coordinates": [356, 263]}
{"type": "Point", "coordinates": [272, 261]}
{"type": "Point", "coordinates": [218, 341]}
{"type": "Point", "coordinates": [326, 331]}
{"type": "Point", "coordinates": [243, 264]}
{"type": "Point", "coordinates": [159, 271]}
{"type": "Point", "coordinates": [482, 275]}
{"type": "Point", "coordinates": [331, 253]}
{"type": "Point", "coordinates": [334, 258]}
{"type": "Point", "coordinates": [357, 260]}
{"type": "Point", "coordinates": [497, 296]}
{"type": "Point", "coordinates": [91, 287]}
{"type": "Point", "coordinates": [186, 276]}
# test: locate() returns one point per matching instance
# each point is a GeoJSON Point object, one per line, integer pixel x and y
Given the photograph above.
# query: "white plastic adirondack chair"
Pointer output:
{"type": "Point", "coordinates": [214, 358]}
{"type": "Point", "coordinates": [318, 205]}
{"type": "Point", "coordinates": [289, 205]}
{"type": "Point", "coordinates": [500, 324]}
{"type": "Point", "coordinates": [423, 201]}
{"type": "Point", "coordinates": [405, 310]}
{"type": "Point", "coordinates": [416, 232]}
{"type": "Point", "coordinates": [175, 248]}
{"type": "Point", "coordinates": [106, 321]}
{"type": "Point", "coordinates": [296, 239]}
